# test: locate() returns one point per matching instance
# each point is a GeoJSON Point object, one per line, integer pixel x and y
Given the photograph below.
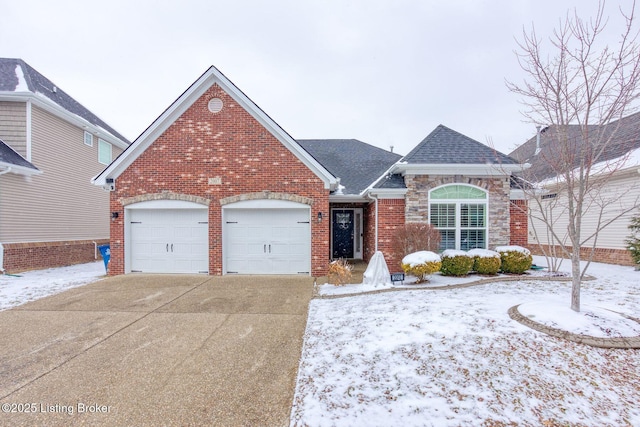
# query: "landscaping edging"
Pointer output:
{"type": "Point", "coordinates": [616, 342]}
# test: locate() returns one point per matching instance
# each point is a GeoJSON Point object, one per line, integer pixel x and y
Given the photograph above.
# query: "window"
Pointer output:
{"type": "Point", "coordinates": [88, 139]}
{"type": "Point", "coordinates": [460, 213]}
{"type": "Point", "coordinates": [104, 152]}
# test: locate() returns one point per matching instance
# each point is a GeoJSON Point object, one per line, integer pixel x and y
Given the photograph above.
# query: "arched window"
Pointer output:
{"type": "Point", "coordinates": [460, 213]}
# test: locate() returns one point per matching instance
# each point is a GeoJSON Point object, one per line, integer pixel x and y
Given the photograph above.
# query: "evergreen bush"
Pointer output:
{"type": "Point", "coordinates": [456, 263]}
{"type": "Point", "coordinates": [514, 259]}
{"type": "Point", "coordinates": [485, 261]}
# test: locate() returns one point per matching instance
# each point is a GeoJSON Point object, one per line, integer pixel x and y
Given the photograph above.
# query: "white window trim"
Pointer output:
{"type": "Point", "coordinates": [88, 136]}
{"type": "Point", "coordinates": [459, 203]}
{"type": "Point", "coordinates": [102, 142]}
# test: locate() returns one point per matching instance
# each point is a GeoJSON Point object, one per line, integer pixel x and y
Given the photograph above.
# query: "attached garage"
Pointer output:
{"type": "Point", "coordinates": [167, 236]}
{"type": "Point", "coordinates": [267, 237]}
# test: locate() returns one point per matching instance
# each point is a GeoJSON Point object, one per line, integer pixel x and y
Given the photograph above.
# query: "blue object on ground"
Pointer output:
{"type": "Point", "coordinates": [105, 251]}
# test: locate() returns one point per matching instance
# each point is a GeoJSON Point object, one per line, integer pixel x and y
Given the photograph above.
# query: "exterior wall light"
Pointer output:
{"type": "Point", "coordinates": [319, 216]}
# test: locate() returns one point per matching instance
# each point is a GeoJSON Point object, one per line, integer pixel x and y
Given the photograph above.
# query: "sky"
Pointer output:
{"type": "Point", "coordinates": [386, 72]}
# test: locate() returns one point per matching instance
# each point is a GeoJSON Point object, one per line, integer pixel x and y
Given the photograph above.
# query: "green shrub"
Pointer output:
{"type": "Point", "coordinates": [485, 261]}
{"type": "Point", "coordinates": [456, 263]}
{"type": "Point", "coordinates": [633, 241]}
{"type": "Point", "coordinates": [421, 264]}
{"type": "Point", "coordinates": [514, 259]}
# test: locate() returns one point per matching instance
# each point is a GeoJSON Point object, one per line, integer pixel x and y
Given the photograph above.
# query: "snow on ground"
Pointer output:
{"type": "Point", "coordinates": [453, 357]}
{"type": "Point", "coordinates": [32, 285]}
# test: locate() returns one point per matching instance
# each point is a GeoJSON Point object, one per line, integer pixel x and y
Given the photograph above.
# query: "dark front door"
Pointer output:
{"type": "Point", "coordinates": [342, 233]}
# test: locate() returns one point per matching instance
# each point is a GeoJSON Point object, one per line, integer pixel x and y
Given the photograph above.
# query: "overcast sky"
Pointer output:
{"type": "Point", "coordinates": [386, 72]}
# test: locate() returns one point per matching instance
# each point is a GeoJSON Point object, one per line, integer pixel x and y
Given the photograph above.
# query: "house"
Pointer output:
{"type": "Point", "coordinates": [50, 148]}
{"type": "Point", "coordinates": [615, 201]}
{"type": "Point", "coordinates": [215, 185]}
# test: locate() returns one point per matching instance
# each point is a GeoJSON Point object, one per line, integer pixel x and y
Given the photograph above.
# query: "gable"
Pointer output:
{"type": "Point", "coordinates": [447, 152]}
{"type": "Point", "coordinates": [13, 162]}
{"type": "Point", "coordinates": [202, 92]}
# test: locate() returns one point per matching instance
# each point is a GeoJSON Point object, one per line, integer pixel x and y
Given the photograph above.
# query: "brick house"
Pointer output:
{"type": "Point", "coordinates": [215, 186]}
{"type": "Point", "coordinates": [50, 148]}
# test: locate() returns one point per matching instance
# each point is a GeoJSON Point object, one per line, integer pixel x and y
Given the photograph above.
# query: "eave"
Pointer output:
{"type": "Point", "coordinates": [456, 169]}
{"type": "Point", "coordinates": [55, 109]}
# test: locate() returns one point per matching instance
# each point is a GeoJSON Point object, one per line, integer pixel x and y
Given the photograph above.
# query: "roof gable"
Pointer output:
{"type": "Point", "coordinates": [11, 160]}
{"type": "Point", "coordinates": [356, 163]}
{"type": "Point", "coordinates": [19, 78]}
{"type": "Point", "coordinates": [211, 77]}
{"type": "Point", "coordinates": [446, 146]}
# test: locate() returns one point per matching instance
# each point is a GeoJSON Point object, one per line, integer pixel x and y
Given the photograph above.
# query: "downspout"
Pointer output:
{"type": "Point", "coordinates": [375, 199]}
{"type": "Point", "coordinates": [7, 170]}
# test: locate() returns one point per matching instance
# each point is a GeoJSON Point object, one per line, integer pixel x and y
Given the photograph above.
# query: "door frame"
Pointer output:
{"type": "Point", "coordinates": [358, 240]}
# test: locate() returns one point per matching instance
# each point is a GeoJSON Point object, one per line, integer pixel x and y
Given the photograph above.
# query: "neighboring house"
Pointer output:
{"type": "Point", "coordinates": [621, 189]}
{"type": "Point", "coordinates": [50, 148]}
{"type": "Point", "coordinates": [215, 186]}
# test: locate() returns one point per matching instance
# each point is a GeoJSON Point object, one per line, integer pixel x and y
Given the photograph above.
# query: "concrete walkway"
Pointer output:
{"type": "Point", "coordinates": [156, 350]}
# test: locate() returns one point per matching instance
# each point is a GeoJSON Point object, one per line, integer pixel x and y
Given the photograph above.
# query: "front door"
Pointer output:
{"type": "Point", "coordinates": [343, 233]}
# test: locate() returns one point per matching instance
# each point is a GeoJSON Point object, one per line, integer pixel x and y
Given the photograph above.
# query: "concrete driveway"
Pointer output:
{"type": "Point", "coordinates": [156, 350]}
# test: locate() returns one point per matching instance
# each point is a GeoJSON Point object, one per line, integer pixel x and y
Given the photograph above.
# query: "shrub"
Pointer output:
{"type": "Point", "coordinates": [339, 272]}
{"type": "Point", "coordinates": [421, 264]}
{"type": "Point", "coordinates": [514, 259]}
{"type": "Point", "coordinates": [456, 263]}
{"type": "Point", "coordinates": [633, 241]}
{"type": "Point", "coordinates": [414, 237]}
{"type": "Point", "coordinates": [485, 261]}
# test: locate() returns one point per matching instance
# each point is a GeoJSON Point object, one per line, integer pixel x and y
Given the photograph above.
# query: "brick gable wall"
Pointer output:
{"type": "Point", "coordinates": [238, 154]}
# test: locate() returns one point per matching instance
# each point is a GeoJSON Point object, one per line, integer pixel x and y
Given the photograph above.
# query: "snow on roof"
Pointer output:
{"type": "Point", "coordinates": [22, 85]}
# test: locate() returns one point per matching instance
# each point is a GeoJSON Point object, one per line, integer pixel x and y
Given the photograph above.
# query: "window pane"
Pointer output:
{"type": "Point", "coordinates": [472, 215]}
{"type": "Point", "coordinates": [448, 239]}
{"type": "Point", "coordinates": [458, 192]}
{"type": "Point", "coordinates": [443, 216]}
{"type": "Point", "coordinates": [472, 239]}
{"type": "Point", "coordinates": [104, 152]}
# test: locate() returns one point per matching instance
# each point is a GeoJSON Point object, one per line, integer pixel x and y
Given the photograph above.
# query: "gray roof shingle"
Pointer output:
{"type": "Point", "coordinates": [446, 146]}
{"type": "Point", "coordinates": [9, 156]}
{"type": "Point", "coordinates": [356, 163]}
{"type": "Point", "coordinates": [39, 84]}
{"type": "Point", "coordinates": [544, 164]}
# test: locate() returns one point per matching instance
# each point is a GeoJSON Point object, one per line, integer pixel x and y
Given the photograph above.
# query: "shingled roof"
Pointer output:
{"type": "Point", "coordinates": [446, 146]}
{"type": "Point", "coordinates": [10, 158]}
{"type": "Point", "coordinates": [18, 76]}
{"type": "Point", "coordinates": [626, 138]}
{"type": "Point", "coordinates": [357, 164]}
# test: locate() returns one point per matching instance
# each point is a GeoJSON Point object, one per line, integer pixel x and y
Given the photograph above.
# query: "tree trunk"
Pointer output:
{"type": "Point", "coordinates": [575, 280]}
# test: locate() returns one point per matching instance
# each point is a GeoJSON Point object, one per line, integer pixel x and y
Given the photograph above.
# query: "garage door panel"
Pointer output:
{"type": "Point", "coordinates": [273, 241]}
{"type": "Point", "coordinates": [169, 240]}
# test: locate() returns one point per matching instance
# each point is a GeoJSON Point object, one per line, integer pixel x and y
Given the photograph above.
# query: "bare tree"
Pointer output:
{"type": "Point", "coordinates": [580, 89]}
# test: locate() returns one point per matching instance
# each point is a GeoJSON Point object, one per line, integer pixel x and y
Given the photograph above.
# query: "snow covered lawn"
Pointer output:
{"type": "Point", "coordinates": [453, 357]}
{"type": "Point", "coordinates": [32, 285]}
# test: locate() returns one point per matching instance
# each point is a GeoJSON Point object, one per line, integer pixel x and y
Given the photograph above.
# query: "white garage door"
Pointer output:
{"type": "Point", "coordinates": [267, 241]}
{"type": "Point", "coordinates": [169, 240]}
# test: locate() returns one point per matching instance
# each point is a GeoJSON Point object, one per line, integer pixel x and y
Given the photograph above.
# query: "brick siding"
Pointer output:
{"type": "Point", "coordinates": [20, 257]}
{"type": "Point", "coordinates": [391, 216]}
{"type": "Point", "coordinates": [608, 256]}
{"type": "Point", "coordinates": [243, 158]}
{"type": "Point", "coordinates": [519, 223]}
